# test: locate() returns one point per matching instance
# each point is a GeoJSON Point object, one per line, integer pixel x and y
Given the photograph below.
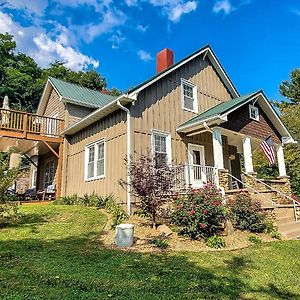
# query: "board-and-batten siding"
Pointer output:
{"type": "Point", "coordinates": [159, 107]}
{"type": "Point", "coordinates": [54, 106]}
{"type": "Point", "coordinates": [113, 129]}
{"type": "Point", "coordinates": [74, 113]}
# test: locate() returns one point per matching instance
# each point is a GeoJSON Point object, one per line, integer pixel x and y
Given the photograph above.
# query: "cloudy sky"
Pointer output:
{"type": "Point", "coordinates": [257, 41]}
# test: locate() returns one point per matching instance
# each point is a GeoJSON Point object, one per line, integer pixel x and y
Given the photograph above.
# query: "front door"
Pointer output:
{"type": "Point", "coordinates": [196, 165]}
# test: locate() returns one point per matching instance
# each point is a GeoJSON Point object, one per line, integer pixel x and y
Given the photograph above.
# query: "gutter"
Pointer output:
{"type": "Point", "coordinates": [128, 155]}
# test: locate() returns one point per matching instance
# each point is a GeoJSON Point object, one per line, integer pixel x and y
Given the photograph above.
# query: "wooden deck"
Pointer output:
{"type": "Point", "coordinates": [23, 125]}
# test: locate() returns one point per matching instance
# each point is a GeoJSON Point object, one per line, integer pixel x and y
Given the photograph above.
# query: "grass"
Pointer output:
{"type": "Point", "coordinates": [55, 253]}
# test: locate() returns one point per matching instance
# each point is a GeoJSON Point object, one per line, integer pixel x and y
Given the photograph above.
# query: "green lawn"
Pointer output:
{"type": "Point", "coordinates": [55, 254]}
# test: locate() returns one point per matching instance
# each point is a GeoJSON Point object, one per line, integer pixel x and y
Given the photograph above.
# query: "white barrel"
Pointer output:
{"type": "Point", "coordinates": [124, 235]}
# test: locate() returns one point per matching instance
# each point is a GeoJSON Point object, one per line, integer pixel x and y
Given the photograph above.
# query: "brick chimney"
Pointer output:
{"type": "Point", "coordinates": [164, 59]}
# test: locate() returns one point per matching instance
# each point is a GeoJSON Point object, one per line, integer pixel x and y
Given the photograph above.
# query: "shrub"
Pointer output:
{"type": "Point", "coordinates": [94, 200]}
{"type": "Point", "coordinates": [275, 235]}
{"type": "Point", "coordinates": [151, 182]}
{"type": "Point", "coordinates": [160, 242]}
{"type": "Point", "coordinates": [255, 239]}
{"type": "Point", "coordinates": [200, 214]}
{"type": "Point", "coordinates": [9, 212]}
{"type": "Point", "coordinates": [246, 214]}
{"type": "Point", "coordinates": [215, 242]}
{"type": "Point", "coordinates": [116, 210]}
{"type": "Point", "coordinates": [68, 200]}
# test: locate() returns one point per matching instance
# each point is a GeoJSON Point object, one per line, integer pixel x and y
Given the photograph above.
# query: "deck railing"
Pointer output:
{"type": "Point", "coordinates": [195, 176]}
{"type": "Point", "coordinates": [30, 123]}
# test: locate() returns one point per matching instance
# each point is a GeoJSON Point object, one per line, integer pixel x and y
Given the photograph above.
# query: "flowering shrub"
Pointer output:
{"type": "Point", "coordinates": [247, 214]}
{"type": "Point", "coordinates": [200, 214]}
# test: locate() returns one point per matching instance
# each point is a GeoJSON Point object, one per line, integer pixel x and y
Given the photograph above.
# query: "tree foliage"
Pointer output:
{"type": "Point", "coordinates": [7, 175]}
{"type": "Point", "coordinates": [290, 114]}
{"type": "Point", "coordinates": [23, 80]}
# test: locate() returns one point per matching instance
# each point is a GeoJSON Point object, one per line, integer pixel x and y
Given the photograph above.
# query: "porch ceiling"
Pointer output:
{"type": "Point", "coordinates": [24, 146]}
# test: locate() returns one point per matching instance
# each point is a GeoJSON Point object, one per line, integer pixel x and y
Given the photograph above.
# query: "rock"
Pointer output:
{"type": "Point", "coordinates": [228, 230]}
{"type": "Point", "coordinates": [164, 229]}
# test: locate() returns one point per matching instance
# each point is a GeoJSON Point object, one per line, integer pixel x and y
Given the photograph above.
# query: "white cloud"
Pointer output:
{"type": "Point", "coordinates": [223, 5]}
{"type": "Point", "coordinates": [174, 9]}
{"type": "Point", "coordinates": [36, 7]}
{"type": "Point", "coordinates": [142, 28]}
{"type": "Point", "coordinates": [296, 11]}
{"type": "Point", "coordinates": [109, 20]}
{"type": "Point", "coordinates": [46, 47]}
{"type": "Point", "coordinates": [117, 39]}
{"type": "Point", "coordinates": [144, 56]}
{"type": "Point", "coordinates": [55, 50]}
{"type": "Point", "coordinates": [131, 3]}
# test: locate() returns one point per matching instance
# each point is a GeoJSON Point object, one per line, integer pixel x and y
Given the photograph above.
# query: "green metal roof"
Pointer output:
{"type": "Point", "coordinates": [219, 109]}
{"type": "Point", "coordinates": [80, 95]}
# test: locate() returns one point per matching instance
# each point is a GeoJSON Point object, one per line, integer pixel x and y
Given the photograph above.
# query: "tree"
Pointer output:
{"type": "Point", "coordinates": [153, 185]}
{"type": "Point", "coordinates": [7, 175]}
{"type": "Point", "coordinates": [290, 114]}
{"type": "Point", "coordinates": [115, 92]}
{"type": "Point", "coordinates": [291, 89]}
{"type": "Point", "coordinates": [23, 81]}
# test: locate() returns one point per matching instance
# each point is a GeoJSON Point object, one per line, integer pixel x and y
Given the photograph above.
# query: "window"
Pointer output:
{"type": "Point", "coordinates": [161, 148]}
{"type": "Point", "coordinates": [50, 169]}
{"type": "Point", "coordinates": [95, 160]}
{"type": "Point", "coordinates": [189, 96]}
{"type": "Point", "coordinates": [254, 112]}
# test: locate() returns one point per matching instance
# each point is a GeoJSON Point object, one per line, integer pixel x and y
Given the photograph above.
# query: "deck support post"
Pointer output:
{"type": "Point", "coordinates": [59, 171]}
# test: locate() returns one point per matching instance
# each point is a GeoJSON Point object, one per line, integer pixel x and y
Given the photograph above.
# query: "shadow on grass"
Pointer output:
{"type": "Point", "coordinates": [78, 268]}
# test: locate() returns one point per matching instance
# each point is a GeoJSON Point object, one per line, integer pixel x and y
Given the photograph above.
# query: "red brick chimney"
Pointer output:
{"type": "Point", "coordinates": [164, 59]}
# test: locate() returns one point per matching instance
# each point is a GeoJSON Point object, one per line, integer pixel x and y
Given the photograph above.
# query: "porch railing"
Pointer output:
{"type": "Point", "coordinates": [30, 123]}
{"type": "Point", "coordinates": [194, 176]}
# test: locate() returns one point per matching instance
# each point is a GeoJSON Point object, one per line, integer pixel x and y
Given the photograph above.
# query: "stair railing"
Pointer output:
{"type": "Point", "coordinates": [296, 203]}
{"type": "Point", "coordinates": [254, 190]}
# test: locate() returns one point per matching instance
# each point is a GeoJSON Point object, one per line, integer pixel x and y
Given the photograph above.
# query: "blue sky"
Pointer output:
{"type": "Point", "coordinates": [257, 41]}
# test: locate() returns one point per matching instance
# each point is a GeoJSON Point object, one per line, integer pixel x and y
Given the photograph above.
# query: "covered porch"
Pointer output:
{"type": "Point", "coordinates": [39, 139]}
{"type": "Point", "coordinates": [226, 136]}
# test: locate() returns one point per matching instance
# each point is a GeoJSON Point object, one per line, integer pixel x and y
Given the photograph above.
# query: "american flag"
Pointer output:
{"type": "Point", "coordinates": [268, 148]}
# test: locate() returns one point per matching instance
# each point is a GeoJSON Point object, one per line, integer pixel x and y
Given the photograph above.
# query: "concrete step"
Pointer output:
{"type": "Point", "coordinates": [288, 226]}
{"type": "Point", "coordinates": [292, 234]}
{"type": "Point", "coordinates": [284, 220]}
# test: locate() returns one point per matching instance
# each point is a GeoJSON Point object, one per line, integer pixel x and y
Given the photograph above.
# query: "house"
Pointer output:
{"type": "Point", "coordinates": [188, 113]}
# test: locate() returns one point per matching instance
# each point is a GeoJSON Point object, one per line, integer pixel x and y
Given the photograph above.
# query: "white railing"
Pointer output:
{"type": "Point", "coordinates": [296, 204]}
{"type": "Point", "coordinates": [195, 176]}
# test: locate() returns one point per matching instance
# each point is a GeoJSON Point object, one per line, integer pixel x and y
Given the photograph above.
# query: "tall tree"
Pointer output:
{"type": "Point", "coordinates": [291, 89]}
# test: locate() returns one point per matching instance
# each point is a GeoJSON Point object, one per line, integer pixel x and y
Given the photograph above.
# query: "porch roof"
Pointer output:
{"type": "Point", "coordinates": [218, 110]}
{"type": "Point", "coordinates": [218, 115]}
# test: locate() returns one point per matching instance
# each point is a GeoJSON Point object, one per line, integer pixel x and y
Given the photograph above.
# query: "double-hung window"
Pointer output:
{"type": "Point", "coordinates": [95, 160]}
{"type": "Point", "coordinates": [161, 148]}
{"type": "Point", "coordinates": [189, 96]}
{"type": "Point", "coordinates": [254, 112]}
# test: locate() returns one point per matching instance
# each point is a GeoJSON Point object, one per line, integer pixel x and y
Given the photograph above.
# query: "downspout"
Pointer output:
{"type": "Point", "coordinates": [128, 155]}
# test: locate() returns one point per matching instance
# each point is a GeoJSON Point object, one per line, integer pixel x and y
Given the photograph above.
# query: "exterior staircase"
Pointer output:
{"type": "Point", "coordinates": [287, 215]}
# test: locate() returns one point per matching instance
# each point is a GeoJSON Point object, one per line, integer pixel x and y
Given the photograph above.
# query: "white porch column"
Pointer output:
{"type": "Point", "coordinates": [217, 148]}
{"type": "Point", "coordinates": [280, 159]}
{"type": "Point", "coordinates": [247, 150]}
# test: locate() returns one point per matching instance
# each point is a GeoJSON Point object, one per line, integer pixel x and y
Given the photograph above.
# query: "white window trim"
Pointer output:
{"type": "Point", "coordinates": [86, 157]}
{"type": "Point", "coordinates": [256, 109]}
{"type": "Point", "coordinates": [168, 143]}
{"type": "Point", "coordinates": [195, 96]}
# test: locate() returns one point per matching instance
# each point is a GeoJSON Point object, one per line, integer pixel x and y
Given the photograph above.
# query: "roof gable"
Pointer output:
{"type": "Point", "coordinates": [219, 113]}
{"type": "Point", "coordinates": [207, 53]}
{"type": "Point", "coordinates": [75, 94]}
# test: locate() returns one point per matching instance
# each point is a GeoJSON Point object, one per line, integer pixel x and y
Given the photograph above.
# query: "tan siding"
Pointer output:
{"type": "Point", "coordinates": [113, 129]}
{"type": "Point", "coordinates": [159, 107]}
{"type": "Point", "coordinates": [55, 106]}
{"type": "Point", "coordinates": [75, 113]}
